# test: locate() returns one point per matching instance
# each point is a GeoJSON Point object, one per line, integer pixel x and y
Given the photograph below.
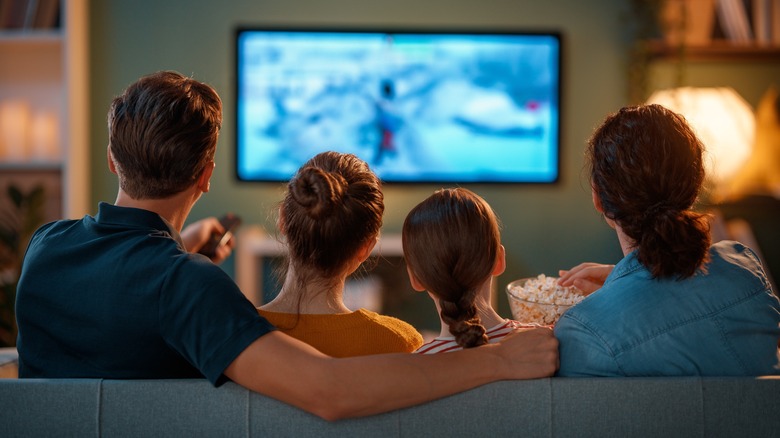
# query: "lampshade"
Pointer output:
{"type": "Point", "coordinates": [722, 119]}
{"type": "Point", "coordinates": [760, 175]}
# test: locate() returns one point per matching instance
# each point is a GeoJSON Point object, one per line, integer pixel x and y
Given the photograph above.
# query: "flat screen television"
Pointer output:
{"type": "Point", "coordinates": [429, 106]}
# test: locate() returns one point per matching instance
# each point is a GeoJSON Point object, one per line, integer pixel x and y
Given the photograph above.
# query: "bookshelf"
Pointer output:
{"type": "Point", "coordinates": [44, 105]}
{"type": "Point", "coordinates": [676, 37]}
{"type": "Point", "coordinates": [717, 50]}
{"type": "Point", "coordinates": [719, 30]}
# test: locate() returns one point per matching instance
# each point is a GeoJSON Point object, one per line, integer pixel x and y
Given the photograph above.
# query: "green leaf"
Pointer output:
{"type": "Point", "coordinates": [16, 195]}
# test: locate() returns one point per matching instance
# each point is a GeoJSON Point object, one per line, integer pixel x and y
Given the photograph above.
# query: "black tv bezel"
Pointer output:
{"type": "Point", "coordinates": [556, 34]}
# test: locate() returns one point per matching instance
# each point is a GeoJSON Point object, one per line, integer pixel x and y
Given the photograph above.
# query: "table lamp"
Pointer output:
{"type": "Point", "coordinates": [724, 122]}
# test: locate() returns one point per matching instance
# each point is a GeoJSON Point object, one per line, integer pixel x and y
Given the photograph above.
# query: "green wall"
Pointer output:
{"type": "Point", "coordinates": [546, 227]}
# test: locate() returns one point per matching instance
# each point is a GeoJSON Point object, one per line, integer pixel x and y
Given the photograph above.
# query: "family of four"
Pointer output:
{"type": "Point", "coordinates": [124, 294]}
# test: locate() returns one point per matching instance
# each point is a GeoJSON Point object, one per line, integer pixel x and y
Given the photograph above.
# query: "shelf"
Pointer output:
{"type": "Point", "coordinates": [45, 72]}
{"type": "Point", "coordinates": [30, 166]}
{"type": "Point", "coordinates": [31, 36]}
{"type": "Point", "coordinates": [719, 50]}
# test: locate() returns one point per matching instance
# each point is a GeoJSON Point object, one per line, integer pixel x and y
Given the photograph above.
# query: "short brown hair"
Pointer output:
{"type": "Point", "coordinates": [162, 133]}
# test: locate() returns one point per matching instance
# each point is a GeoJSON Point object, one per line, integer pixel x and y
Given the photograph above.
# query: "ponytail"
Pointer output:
{"type": "Point", "coordinates": [647, 170]}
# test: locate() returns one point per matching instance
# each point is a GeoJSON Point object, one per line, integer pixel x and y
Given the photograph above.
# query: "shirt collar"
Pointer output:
{"type": "Point", "coordinates": [627, 265]}
{"type": "Point", "coordinates": [135, 218]}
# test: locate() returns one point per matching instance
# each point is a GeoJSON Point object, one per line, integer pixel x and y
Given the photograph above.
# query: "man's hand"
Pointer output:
{"type": "Point", "coordinates": [529, 353]}
{"type": "Point", "coordinates": [587, 277]}
{"type": "Point", "coordinates": [198, 234]}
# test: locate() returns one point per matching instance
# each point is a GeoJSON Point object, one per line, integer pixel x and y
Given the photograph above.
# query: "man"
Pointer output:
{"type": "Point", "coordinates": [123, 295]}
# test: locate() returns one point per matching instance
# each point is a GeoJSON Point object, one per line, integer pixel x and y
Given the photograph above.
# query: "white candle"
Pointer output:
{"type": "Point", "coordinates": [44, 134]}
{"type": "Point", "coordinates": [14, 129]}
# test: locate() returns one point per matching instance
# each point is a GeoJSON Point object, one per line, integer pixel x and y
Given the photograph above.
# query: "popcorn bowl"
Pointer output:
{"type": "Point", "coordinates": [539, 300]}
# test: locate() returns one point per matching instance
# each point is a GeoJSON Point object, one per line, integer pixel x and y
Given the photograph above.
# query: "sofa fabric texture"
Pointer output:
{"type": "Point", "coordinates": [554, 407]}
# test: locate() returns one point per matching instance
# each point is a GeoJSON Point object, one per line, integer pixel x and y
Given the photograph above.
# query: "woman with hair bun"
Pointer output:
{"type": "Point", "coordinates": [452, 247]}
{"type": "Point", "coordinates": [675, 304]}
{"type": "Point", "coordinates": [330, 220]}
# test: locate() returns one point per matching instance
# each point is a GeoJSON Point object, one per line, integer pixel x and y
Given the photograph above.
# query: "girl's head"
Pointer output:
{"type": "Point", "coordinates": [452, 247]}
{"type": "Point", "coordinates": [646, 168]}
{"type": "Point", "coordinates": [332, 209]}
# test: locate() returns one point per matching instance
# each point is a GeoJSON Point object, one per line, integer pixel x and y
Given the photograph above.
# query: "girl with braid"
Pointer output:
{"type": "Point", "coordinates": [676, 304]}
{"type": "Point", "coordinates": [330, 219]}
{"type": "Point", "coordinates": [452, 247]}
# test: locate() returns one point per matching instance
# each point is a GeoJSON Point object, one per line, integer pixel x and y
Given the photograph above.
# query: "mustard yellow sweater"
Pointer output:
{"type": "Point", "coordinates": [359, 333]}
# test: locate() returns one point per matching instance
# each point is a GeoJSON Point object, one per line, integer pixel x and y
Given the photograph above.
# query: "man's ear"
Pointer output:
{"type": "Point", "coordinates": [500, 265]}
{"type": "Point", "coordinates": [111, 165]}
{"type": "Point", "coordinates": [204, 183]}
{"type": "Point", "coordinates": [416, 285]}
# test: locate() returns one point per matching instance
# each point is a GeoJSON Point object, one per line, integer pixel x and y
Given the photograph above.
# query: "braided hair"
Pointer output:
{"type": "Point", "coordinates": [451, 242]}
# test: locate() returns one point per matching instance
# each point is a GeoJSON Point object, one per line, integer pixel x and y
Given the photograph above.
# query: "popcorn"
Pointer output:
{"type": "Point", "coordinates": [540, 300]}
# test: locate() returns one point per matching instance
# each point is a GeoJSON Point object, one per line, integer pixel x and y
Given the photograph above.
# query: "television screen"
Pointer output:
{"type": "Point", "coordinates": [454, 107]}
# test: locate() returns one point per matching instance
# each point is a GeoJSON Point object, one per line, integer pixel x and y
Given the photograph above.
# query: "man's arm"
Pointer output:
{"type": "Point", "coordinates": [286, 369]}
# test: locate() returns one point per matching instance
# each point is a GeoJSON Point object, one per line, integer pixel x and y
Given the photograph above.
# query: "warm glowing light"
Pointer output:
{"type": "Point", "coordinates": [722, 119]}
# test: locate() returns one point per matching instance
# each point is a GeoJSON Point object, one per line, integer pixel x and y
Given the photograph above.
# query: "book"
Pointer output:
{"type": "Point", "coordinates": [733, 16]}
{"type": "Point", "coordinates": [47, 14]}
{"type": "Point", "coordinates": [5, 11]}
{"type": "Point", "coordinates": [762, 24]}
{"type": "Point", "coordinates": [14, 14]}
{"type": "Point", "coordinates": [775, 22]}
{"type": "Point", "coordinates": [32, 5]}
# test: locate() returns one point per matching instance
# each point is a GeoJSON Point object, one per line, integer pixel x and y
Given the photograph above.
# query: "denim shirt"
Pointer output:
{"type": "Point", "coordinates": [723, 321]}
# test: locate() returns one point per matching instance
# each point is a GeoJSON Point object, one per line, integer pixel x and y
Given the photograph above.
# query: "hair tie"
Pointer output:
{"type": "Point", "coordinates": [657, 209]}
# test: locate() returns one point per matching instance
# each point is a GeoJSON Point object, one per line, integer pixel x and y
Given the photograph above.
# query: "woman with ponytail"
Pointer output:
{"type": "Point", "coordinates": [330, 219]}
{"type": "Point", "coordinates": [452, 248]}
{"type": "Point", "coordinates": [676, 304]}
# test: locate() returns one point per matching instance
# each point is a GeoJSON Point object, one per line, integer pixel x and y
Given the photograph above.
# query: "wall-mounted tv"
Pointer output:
{"type": "Point", "coordinates": [418, 106]}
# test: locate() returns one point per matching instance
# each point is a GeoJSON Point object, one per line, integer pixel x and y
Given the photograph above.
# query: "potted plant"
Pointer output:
{"type": "Point", "coordinates": [21, 214]}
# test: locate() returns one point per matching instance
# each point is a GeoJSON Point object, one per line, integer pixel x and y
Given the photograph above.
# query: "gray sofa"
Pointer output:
{"type": "Point", "coordinates": [556, 407]}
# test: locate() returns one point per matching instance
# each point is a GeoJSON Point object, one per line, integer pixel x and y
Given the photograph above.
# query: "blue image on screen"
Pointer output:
{"type": "Point", "coordinates": [418, 107]}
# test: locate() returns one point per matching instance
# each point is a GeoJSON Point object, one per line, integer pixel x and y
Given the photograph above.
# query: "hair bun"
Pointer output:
{"type": "Point", "coordinates": [317, 191]}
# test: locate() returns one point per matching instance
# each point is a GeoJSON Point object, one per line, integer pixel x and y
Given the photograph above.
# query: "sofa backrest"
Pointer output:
{"type": "Point", "coordinates": [556, 407]}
